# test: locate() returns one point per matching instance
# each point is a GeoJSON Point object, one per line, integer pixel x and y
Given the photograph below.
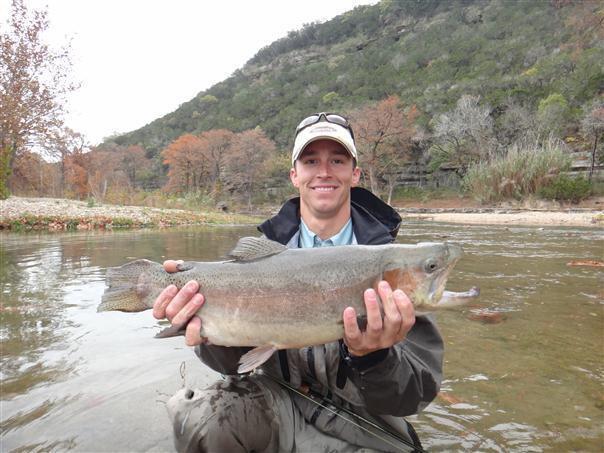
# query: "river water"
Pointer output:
{"type": "Point", "coordinates": [74, 379]}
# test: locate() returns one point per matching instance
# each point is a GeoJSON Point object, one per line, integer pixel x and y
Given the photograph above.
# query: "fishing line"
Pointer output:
{"type": "Point", "coordinates": [353, 414]}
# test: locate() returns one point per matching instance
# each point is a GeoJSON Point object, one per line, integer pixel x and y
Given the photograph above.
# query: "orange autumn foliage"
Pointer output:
{"type": "Point", "coordinates": [189, 164]}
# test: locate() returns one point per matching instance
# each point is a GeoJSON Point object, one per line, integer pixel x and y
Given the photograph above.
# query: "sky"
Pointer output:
{"type": "Point", "coordinates": [137, 60]}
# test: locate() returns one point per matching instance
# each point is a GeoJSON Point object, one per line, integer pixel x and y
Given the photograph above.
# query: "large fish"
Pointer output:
{"type": "Point", "coordinates": [271, 297]}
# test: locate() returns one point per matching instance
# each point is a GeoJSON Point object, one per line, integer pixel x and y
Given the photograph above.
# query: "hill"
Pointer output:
{"type": "Point", "coordinates": [428, 52]}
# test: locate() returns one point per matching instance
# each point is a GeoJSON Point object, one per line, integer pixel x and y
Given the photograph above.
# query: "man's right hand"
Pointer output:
{"type": "Point", "coordinates": [179, 307]}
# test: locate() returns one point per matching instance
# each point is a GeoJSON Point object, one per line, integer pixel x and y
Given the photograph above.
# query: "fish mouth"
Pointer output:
{"type": "Point", "coordinates": [437, 284]}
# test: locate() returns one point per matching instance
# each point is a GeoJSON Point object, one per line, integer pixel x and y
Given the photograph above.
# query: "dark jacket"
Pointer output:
{"type": "Point", "coordinates": [397, 381]}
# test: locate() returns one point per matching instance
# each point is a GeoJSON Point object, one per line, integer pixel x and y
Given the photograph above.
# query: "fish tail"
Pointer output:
{"type": "Point", "coordinates": [129, 287]}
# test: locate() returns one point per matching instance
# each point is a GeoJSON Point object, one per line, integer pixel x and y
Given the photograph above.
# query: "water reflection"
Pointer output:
{"type": "Point", "coordinates": [32, 316]}
{"type": "Point", "coordinates": [532, 381]}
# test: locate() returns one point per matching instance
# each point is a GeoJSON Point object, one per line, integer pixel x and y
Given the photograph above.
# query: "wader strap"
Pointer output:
{"type": "Point", "coordinates": [284, 364]}
{"type": "Point", "coordinates": [414, 437]}
{"type": "Point", "coordinates": [310, 358]}
{"type": "Point", "coordinates": [341, 376]}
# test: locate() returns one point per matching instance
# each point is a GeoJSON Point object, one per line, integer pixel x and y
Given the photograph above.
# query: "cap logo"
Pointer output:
{"type": "Point", "coordinates": [322, 129]}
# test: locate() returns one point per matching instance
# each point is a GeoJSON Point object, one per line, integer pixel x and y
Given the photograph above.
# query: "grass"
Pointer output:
{"type": "Point", "coordinates": [522, 172]}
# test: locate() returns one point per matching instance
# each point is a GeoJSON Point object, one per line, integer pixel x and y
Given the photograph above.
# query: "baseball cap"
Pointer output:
{"type": "Point", "coordinates": [324, 128]}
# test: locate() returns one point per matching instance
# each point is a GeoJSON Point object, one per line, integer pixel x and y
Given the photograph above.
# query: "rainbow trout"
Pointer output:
{"type": "Point", "coordinates": [271, 297]}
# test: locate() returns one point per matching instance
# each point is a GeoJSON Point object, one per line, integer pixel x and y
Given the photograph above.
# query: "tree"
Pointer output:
{"type": "Point", "coordinates": [76, 173]}
{"type": "Point", "coordinates": [189, 164]}
{"type": "Point", "coordinates": [33, 83]}
{"type": "Point", "coordinates": [30, 175]}
{"type": "Point", "coordinates": [516, 124]}
{"type": "Point", "coordinates": [66, 143]}
{"type": "Point", "coordinates": [104, 169]}
{"type": "Point", "coordinates": [394, 160]}
{"type": "Point", "coordinates": [593, 126]}
{"type": "Point", "coordinates": [553, 115]}
{"type": "Point", "coordinates": [216, 144]}
{"type": "Point", "coordinates": [463, 135]}
{"type": "Point", "coordinates": [134, 163]}
{"type": "Point", "coordinates": [383, 133]}
{"type": "Point", "coordinates": [247, 159]}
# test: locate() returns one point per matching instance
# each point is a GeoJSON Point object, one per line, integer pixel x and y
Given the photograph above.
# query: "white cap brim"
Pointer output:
{"type": "Point", "coordinates": [323, 130]}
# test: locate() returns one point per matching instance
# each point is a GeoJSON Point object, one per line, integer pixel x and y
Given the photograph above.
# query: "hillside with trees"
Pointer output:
{"type": "Point", "coordinates": [469, 89]}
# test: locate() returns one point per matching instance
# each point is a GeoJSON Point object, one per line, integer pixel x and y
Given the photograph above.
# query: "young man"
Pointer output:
{"type": "Point", "coordinates": [387, 370]}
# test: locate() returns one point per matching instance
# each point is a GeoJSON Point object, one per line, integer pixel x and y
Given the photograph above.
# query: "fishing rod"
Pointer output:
{"type": "Point", "coordinates": [339, 409]}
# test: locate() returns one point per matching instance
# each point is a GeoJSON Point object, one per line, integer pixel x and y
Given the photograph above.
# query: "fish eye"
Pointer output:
{"type": "Point", "coordinates": [430, 265]}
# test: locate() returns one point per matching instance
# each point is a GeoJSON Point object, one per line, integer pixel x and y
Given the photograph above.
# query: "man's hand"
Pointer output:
{"type": "Point", "coordinates": [399, 317]}
{"type": "Point", "coordinates": [180, 306]}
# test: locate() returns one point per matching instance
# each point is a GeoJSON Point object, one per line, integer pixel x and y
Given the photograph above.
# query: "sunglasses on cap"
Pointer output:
{"type": "Point", "coordinates": [329, 117]}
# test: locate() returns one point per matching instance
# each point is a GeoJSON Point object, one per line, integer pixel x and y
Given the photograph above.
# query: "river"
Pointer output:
{"type": "Point", "coordinates": [75, 379]}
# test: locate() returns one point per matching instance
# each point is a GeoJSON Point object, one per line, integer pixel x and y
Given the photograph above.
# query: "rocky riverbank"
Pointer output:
{"type": "Point", "coordinates": [21, 213]}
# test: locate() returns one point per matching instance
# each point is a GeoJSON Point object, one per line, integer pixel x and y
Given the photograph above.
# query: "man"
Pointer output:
{"type": "Point", "coordinates": [387, 370]}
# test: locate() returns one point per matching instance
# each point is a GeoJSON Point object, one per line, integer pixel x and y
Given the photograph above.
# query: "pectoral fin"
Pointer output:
{"type": "Point", "coordinates": [175, 330]}
{"type": "Point", "coordinates": [254, 358]}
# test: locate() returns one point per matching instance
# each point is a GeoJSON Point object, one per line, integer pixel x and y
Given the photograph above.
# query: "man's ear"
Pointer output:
{"type": "Point", "coordinates": [356, 176]}
{"type": "Point", "coordinates": [293, 176]}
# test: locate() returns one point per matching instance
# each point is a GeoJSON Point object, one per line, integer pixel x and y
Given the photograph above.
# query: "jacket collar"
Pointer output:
{"type": "Point", "coordinates": [374, 222]}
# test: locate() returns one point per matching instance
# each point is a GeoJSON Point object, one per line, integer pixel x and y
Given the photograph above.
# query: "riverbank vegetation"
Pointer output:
{"type": "Point", "coordinates": [491, 100]}
{"type": "Point", "coordinates": [524, 170]}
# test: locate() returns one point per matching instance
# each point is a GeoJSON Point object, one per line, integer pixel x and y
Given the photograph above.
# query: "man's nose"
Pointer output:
{"type": "Point", "coordinates": [324, 169]}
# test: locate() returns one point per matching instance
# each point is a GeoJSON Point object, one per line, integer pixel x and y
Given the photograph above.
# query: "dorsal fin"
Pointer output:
{"type": "Point", "coordinates": [252, 248]}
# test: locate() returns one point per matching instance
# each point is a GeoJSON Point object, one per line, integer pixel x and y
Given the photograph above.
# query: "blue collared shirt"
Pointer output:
{"type": "Point", "coordinates": [308, 239]}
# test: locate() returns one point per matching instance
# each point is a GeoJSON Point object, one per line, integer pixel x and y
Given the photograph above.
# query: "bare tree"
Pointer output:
{"type": "Point", "coordinates": [463, 135]}
{"type": "Point", "coordinates": [593, 126]}
{"type": "Point", "coordinates": [33, 84]}
{"type": "Point", "coordinates": [216, 143]}
{"type": "Point", "coordinates": [247, 161]}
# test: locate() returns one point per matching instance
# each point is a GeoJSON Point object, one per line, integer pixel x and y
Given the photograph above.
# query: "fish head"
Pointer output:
{"type": "Point", "coordinates": [421, 271]}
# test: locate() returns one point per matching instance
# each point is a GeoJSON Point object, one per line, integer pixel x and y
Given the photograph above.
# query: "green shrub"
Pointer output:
{"type": "Point", "coordinates": [566, 188]}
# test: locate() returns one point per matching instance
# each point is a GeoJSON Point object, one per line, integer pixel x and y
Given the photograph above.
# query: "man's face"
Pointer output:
{"type": "Point", "coordinates": [324, 174]}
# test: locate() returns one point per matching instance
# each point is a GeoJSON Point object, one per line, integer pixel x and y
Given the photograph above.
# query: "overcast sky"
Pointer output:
{"type": "Point", "coordinates": [138, 60]}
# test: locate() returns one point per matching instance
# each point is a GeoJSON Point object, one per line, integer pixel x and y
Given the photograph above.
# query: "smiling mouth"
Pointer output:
{"type": "Point", "coordinates": [324, 188]}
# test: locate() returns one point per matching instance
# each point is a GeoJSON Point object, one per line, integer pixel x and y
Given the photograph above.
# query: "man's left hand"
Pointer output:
{"type": "Point", "coordinates": [381, 333]}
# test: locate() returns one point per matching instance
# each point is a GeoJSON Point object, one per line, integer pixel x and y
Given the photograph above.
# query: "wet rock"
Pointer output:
{"type": "Point", "coordinates": [487, 317]}
{"type": "Point", "coordinates": [590, 263]}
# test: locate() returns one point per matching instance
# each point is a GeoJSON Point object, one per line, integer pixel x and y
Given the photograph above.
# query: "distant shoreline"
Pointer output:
{"type": "Point", "coordinates": [584, 218]}
{"type": "Point", "coordinates": [57, 214]}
